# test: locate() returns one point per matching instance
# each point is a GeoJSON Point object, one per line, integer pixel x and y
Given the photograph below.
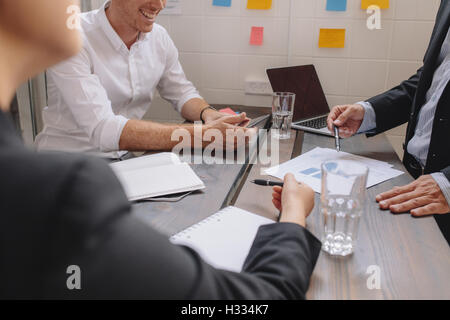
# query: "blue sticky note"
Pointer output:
{"type": "Point", "coordinates": [222, 3]}
{"type": "Point", "coordinates": [336, 5]}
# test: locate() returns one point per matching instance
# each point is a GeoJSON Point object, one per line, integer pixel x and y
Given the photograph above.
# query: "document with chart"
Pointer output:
{"type": "Point", "coordinates": [307, 167]}
{"type": "Point", "coordinates": [156, 175]}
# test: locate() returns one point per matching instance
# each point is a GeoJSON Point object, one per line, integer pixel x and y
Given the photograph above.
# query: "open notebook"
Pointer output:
{"type": "Point", "coordinates": [156, 175]}
{"type": "Point", "coordinates": [224, 239]}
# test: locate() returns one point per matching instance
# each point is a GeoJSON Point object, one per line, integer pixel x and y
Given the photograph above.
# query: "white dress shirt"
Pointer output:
{"type": "Point", "coordinates": [92, 95]}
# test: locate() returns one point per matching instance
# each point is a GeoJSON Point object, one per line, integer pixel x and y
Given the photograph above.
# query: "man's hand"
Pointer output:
{"type": "Point", "coordinates": [421, 197]}
{"type": "Point", "coordinates": [212, 115]}
{"type": "Point", "coordinates": [229, 127]}
{"type": "Point", "coordinates": [295, 201]}
{"type": "Point", "coordinates": [348, 118]}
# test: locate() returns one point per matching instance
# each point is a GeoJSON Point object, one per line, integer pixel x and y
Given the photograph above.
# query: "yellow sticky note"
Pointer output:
{"type": "Point", "coordinates": [383, 4]}
{"type": "Point", "coordinates": [259, 4]}
{"type": "Point", "coordinates": [332, 38]}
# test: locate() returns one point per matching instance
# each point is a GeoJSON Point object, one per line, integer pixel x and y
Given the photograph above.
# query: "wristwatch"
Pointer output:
{"type": "Point", "coordinates": [204, 109]}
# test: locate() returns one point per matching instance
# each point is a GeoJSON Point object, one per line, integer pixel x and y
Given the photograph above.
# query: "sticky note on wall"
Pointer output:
{"type": "Point", "coordinates": [332, 38]}
{"type": "Point", "coordinates": [383, 4]}
{"type": "Point", "coordinates": [259, 4]}
{"type": "Point", "coordinates": [222, 3]}
{"type": "Point", "coordinates": [336, 5]}
{"type": "Point", "coordinates": [257, 36]}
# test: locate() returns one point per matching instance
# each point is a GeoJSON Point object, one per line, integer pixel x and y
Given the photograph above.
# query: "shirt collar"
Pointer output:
{"type": "Point", "coordinates": [107, 28]}
{"type": "Point", "coordinates": [111, 33]}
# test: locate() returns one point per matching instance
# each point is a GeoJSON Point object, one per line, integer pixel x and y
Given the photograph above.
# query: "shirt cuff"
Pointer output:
{"type": "Point", "coordinates": [443, 183]}
{"type": "Point", "coordinates": [370, 119]}
{"type": "Point", "coordinates": [108, 132]}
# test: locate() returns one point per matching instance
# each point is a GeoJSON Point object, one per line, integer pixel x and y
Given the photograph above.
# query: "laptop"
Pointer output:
{"type": "Point", "coordinates": [311, 108]}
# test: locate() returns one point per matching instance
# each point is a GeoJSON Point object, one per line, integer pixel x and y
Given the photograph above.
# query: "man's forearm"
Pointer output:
{"type": "Point", "coordinates": [140, 135]}
{"type": "Point", "coordinates": [192, 109]}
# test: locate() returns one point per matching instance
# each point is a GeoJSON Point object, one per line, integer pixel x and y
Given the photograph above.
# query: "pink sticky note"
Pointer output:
{"type": "Point", "coordinates": [257, 36]}
{"type": "Point", "coordinates": [228, 111]}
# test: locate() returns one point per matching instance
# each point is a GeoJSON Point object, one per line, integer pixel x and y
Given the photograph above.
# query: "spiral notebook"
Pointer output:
{"type": "Point", "coordinates": [224, 239]}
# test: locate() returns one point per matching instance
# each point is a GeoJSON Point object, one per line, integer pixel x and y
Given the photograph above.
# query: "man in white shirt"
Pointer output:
{"type": "Point", "coordinates": [98, 98]}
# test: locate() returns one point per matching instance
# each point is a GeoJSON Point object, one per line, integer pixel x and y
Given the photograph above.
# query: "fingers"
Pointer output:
{"type": "Point", "coordinates": [334, 114]}
{"type": "Point", "coordinates": [432, 208]}
{"type": "Point", "coordinates": [410, 205]}
{"type": "Point", "coordinates": [235, 119]}
{"type": "Point", "coordinates": [395, 192]}
{"type": "Point", "coordinates": [386, 204]}
{"type": "Point", "coordinates": [277, 204]}
{"type": "Point", "coordinates": [276, 196]}
{"type": "Point", "coordinates": [343, 117]}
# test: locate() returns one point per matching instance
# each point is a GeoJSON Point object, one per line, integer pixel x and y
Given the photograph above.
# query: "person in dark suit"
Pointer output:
{"type": "Point", "coordinates": [424, 102]}
{"type": "Point", "coordinates": [59, 210]}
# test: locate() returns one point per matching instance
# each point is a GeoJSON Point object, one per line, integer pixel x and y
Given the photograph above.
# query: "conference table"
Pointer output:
{"type": "Point", "coordinates": [397, 256]}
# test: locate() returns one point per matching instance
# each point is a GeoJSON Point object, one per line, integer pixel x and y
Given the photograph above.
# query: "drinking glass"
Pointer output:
{"type": "Point", "coordinates": [342, 203]}
{"type": "Point", "coordinates": [282, 111]}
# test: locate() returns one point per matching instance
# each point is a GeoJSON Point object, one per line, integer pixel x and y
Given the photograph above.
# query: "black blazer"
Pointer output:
{"type": "Point", "coordinates": [403, 103]}
{"type": "Point", "coordinates": [58, 210]}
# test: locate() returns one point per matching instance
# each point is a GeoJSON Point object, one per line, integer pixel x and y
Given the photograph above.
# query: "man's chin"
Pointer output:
{"type": "Point", "coordinates": [146, 28]}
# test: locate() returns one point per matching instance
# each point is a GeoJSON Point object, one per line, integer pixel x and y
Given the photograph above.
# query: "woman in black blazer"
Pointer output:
{"type": "Point", "coordinates": [59, 210]}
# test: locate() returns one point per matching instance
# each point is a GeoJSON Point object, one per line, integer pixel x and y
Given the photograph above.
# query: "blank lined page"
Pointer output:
{"type": "Point", "coordinates": [224, 239]}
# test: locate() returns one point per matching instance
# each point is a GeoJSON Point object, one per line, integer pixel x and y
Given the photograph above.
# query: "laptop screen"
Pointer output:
{"type": "Point", "coordinates": [310, 100]}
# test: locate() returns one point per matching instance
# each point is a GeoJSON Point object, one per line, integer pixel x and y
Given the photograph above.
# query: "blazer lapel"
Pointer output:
{"type": "Point", "coordinates": [430, 62]}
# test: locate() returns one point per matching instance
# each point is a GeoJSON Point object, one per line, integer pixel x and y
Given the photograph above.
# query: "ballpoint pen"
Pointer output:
{"type": "Point", "coordinates": [337, 138]}
{"type": "Point", "coordinates": [261, 182]}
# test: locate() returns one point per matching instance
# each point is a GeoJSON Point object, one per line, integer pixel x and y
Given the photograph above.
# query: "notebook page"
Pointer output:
{"type": "Point", "coordinates": [224, 239]}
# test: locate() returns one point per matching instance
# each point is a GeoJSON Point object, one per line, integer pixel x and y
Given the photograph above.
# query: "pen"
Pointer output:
{"type": "Point", "coordinates": [261, 182]}
{"type": "Point", "coordinates": [337, 138]}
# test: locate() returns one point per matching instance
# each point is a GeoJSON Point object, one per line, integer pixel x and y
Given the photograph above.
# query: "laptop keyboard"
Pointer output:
{"type": "Point", "coordinates": [318, 123]}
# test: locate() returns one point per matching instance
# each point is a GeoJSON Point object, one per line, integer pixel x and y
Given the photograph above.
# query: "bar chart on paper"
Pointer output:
{"type": "Point", "coordinates": [307, 167]}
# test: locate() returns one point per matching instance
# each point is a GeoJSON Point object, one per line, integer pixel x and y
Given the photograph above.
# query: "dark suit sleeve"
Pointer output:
{"type": "Point", "coordinates": [394, 107]}
{"type": "Point", "coordinates": [446, 172]}
{"type": "Point", "coordinates": [122, 257]}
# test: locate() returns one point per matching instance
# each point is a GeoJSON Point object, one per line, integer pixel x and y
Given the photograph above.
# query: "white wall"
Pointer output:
{"type": "Point", "coordinates": [216, 55]}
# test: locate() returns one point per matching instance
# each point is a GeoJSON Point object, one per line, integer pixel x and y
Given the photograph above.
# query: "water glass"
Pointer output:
{"type": "Point", "coordinates": [282, 111]}
{"type": "Point", "coordinates": [342, 203]}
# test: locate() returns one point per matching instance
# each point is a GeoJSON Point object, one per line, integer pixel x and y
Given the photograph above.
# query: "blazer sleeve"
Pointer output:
{"type": "Point", "coordinates": [394, 107]}
{"type": "Point", "coordinates": [446, 172]}
{"type": "Point", "coordinates": [121, 257]}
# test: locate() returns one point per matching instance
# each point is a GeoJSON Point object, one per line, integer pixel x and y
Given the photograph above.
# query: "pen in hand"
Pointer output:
{"type": "Point", "coordinates": [337, 138]}
{"type": "Point", "coordinates": [269, 183]}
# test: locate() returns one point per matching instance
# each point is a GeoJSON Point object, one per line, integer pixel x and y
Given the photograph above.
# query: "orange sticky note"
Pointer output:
{"type": "Point", "coordinates": [257, 36]}
{"type": "Point", "coordinates": [332, 38]}
{"type": "Point", "coordinates": [259, 4]}
{"type": "Point", "coordinates": [383, 4]}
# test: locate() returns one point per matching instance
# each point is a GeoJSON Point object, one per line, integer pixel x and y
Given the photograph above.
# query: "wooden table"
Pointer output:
{"type": "Point", "coordinates": [411, 255]}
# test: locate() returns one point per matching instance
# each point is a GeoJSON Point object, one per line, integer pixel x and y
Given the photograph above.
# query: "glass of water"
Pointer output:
{"type": "Point", "coordinates": [282, 111]}
{"type": "Point", "coordinates": [342, 203]}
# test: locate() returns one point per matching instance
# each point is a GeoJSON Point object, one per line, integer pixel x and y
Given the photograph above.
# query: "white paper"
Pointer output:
{"type": "Point", "coordinates": [307, 167]}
